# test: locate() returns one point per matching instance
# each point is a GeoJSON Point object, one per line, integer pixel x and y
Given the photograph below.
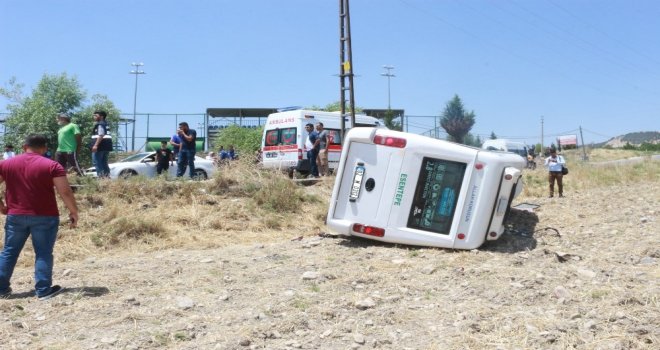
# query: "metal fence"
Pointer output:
{"type": "Point", "coordinates": [133, 131]}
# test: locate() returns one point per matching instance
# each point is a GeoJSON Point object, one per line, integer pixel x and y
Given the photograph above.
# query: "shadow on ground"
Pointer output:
{"type": "Point", "coordinates": [90, 292]}
{"type": "Point", "coordinates": [519, 229]}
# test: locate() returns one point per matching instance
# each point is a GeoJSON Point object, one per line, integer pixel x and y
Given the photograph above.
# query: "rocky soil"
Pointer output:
{"type": "Point", "coordinates": [578, 272]}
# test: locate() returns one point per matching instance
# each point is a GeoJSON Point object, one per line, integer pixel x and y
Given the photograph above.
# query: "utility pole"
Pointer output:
{"type": "Point", "coordinates": [542, 148]}
{"type": "Point", "coordinates": [345, 63]}
{"type": "Point", "coordinates": [388, 75]}
{"type": "Point", "coordinates": [584, 148]}
{"type": "Point", "coordinates": [137, 72]}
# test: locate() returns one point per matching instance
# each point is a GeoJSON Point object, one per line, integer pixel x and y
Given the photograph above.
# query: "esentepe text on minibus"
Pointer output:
{"type": "Point", "coordinates": [404, 188]}
{"type": "Point", "coordinates": [283, 143]}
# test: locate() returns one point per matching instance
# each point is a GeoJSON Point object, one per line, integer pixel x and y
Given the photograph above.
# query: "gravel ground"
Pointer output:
{"type": "Point", "coordinates": [578, 272]}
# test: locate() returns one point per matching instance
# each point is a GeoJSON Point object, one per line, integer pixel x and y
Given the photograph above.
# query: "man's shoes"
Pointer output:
{"type": "Point", "coordinates": [561, 196]}
{"type": "Point", "coordinates": [54, 290]}
{"type": "Point", "coordinates": [5, 294]}
{"type": "Point", "coordinates": [550, 196]}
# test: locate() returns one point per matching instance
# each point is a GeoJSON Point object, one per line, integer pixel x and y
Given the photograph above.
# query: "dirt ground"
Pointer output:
{"type": "Point", "coordinates": [578, 272]}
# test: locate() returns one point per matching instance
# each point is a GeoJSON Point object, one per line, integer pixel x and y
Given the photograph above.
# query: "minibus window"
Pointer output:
{"type": "Point", "coordinates": [288, 136]}
{"type": "Point", "coordinates": [272, 138]}
{"type": "Point", "coordinates": [334, 136]}
{"type": "Point", "coordinates": [436, 194]}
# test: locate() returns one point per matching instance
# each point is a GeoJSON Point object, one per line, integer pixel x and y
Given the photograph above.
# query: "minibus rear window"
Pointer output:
{"type": "Point", "coordinates": [436, 194]}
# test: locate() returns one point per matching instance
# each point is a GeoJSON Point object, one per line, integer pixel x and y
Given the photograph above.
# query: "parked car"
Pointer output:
{"type": "Point", "coordinates": [144, 164]}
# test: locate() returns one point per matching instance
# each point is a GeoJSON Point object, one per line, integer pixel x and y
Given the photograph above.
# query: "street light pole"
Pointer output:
{"type": "Point", "coordinates": [388, 75]}
{"type": "Point", "coordinates": [137, 72]}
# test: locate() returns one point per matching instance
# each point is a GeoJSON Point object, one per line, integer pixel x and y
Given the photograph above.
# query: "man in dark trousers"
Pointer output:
{"type": "Point", "coordinates": [101, 144]}
{"type": "Point", "coordinates": [69, 141]}
{"type": "Point", "coordinates": [313, 151]}
{"type": "Point", "coordinates": [164, 157]}
{"type": "Point", "coordinates": [188, 149]}
{"type": "Point", "coordinates": [555, 163]}
{"type": "Point", "coordinates": [31, 209]}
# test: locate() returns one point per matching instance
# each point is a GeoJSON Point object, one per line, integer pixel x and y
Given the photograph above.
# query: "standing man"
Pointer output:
{"type": "Point", "coordinates": [101, 144]}
{"type": "Point", "coordinates": [312, 149]}
{"type": "Point", "coordinates": [163, 158]}
{"type": "Point", "coordinates": [175, 141]}
{"type": "Point", "coordinates": [69, 141]}
{"type": "Point", "coordinates": [9, 152]}
{"type": "Point", "coordinates": [322, 144]}
{"type": "Point", "coordinates": [188, 138]}
{"type": "Point", "coordinates": [555, 165]}
{"type": "Point", "coordinates": [31, 209]}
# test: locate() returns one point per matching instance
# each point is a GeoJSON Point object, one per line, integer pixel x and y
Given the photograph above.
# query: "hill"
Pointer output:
{"type": "Point", "coordinates": [634, 138]}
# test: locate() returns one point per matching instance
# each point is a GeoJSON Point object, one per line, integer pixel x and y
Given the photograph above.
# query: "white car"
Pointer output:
{"type": "Point", "coordinates": [144, 164]}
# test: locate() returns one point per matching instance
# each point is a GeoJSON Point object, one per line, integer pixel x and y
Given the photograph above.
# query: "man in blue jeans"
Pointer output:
{"type": "Point", "coordinates": [188, 148]}
{"type": "Point", "coordinates": [101, 144]}
{"type": "Point", "coordinates": [31, 210]}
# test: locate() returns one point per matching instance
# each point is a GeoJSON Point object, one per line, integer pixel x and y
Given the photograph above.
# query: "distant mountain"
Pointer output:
{"type": "Point", "coordinates": [634, 138]}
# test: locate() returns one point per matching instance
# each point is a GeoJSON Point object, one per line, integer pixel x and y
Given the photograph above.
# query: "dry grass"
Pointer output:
{"type": "Point", "coordinates": [242, 204]}
{"type": "Point", "coordinates": [583, 176]}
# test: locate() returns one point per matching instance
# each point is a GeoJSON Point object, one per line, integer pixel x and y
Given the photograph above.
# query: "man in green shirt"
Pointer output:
{"type": "Point", "coordinates": [69, 141]}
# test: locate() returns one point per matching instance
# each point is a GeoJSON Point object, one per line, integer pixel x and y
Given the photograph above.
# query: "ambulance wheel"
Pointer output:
{"type": "Point", "coordinates": [291, 172]}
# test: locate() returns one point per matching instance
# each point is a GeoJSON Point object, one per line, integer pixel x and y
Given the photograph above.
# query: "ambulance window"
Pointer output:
{"type": "Point", "coordinates": [436, 194]}
{"type": "Point", "coordinates": [334, 136]}
{"type": "Point", "coordinates": [288, 136]}
{"type": "Point", "coordinates": [272, 137]}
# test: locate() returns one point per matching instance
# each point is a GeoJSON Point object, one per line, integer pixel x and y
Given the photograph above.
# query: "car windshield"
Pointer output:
{"type": "Point", "coordinates": [134, 158]}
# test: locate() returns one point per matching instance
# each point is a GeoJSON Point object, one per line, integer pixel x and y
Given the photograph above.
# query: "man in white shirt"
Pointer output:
{"type": "Point", "coordinates": [9, 152]}
{"type": "Point", "coordinates": [555, 164]}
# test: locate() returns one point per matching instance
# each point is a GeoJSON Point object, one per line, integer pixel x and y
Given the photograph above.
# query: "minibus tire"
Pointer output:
{"type": "Point", "coordinates": [508, 206]}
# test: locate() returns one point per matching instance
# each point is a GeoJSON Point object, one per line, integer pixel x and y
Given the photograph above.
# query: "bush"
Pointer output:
{"type": "Point", "coordinates": [245, 140]}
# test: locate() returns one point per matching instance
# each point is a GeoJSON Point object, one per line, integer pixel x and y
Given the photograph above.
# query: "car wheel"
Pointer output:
{"type": "Point", "coordinates": [125, 174]}
{"type": "Point", "coordinates": [200, 174]}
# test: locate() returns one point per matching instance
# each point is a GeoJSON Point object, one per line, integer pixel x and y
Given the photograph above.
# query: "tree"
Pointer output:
{"type": "Point", "coordinates": [389, 121]}
{"type": "Point", "coordinates": [471, 140]}
{"type": "Point", "coordinates": [456, 121]}
{"type": "Point", "coordinates": [493, 136]}
{"type": "Point", "coordinates": [244, 140]}
{"type": "Point", "coordinates": [36, 114]}
{"type": "Point", "coordinates": [333, 107]}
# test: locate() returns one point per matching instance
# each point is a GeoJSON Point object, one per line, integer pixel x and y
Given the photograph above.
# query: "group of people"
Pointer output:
{"type": "Point", "coordinates": [317, 145]}
{"type": "Point", "coordinates": [69, 144]}
{"type": "Point", "coordinates": [184, 148]}
{"type": "Point", "coordinates": [223, 156]}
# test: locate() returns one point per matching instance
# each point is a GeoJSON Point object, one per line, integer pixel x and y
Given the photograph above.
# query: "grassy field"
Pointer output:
{"type": "Point", "coordinates": [237, 262]}
{"type": "Point", "coordinates": [244, 204]}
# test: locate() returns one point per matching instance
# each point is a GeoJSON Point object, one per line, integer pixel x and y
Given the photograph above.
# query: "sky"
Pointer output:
{"type": "Point", "coordinates": [520, 65]}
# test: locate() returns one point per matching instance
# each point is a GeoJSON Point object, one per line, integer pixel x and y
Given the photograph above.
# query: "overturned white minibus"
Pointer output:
{"type": "Point", "coordinates": [405, 188]}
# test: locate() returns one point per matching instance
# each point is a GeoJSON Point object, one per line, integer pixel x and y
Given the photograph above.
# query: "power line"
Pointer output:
{"type": "Point", "coordinates": [551, 69]}
{"type": "Point", "coordinates": [622, 43]}
{"type": "Point", "coordinates": [607, 55]}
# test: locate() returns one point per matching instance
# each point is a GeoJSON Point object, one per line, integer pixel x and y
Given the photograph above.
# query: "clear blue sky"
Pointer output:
{"type": "Point", "coordinates": [594, 64]}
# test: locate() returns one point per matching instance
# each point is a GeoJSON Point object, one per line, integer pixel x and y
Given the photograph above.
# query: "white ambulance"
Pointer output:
{"type": "Point", "coordinates": [283, 144]}
{"type": "Point", "coordinates": [405, 188]}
